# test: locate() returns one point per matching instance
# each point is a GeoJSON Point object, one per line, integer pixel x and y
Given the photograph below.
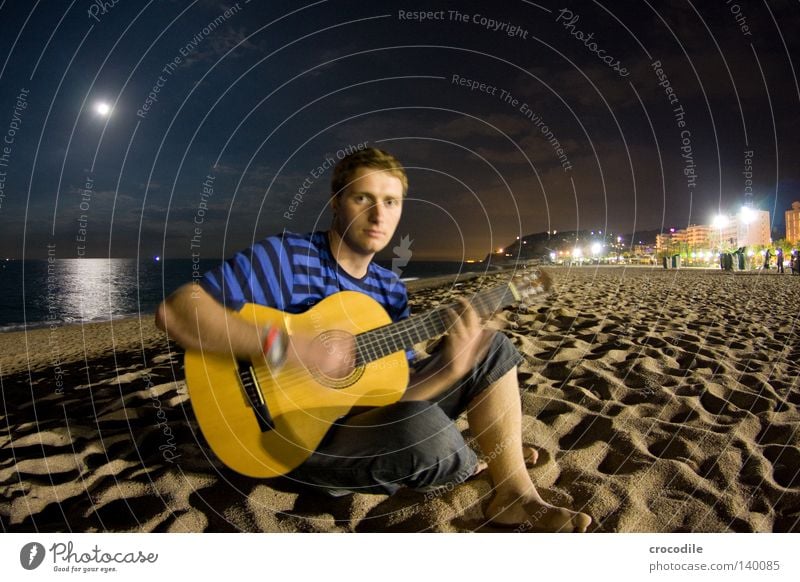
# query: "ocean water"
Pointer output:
{"type": "Point", "coordinates": [37, 294]}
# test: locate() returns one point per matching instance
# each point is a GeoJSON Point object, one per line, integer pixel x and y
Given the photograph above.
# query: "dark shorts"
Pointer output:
{"type": "Point", "coordinates": [414, 444]}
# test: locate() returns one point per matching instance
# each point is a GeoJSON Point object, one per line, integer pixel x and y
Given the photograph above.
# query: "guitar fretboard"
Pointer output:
{"type": "Point", "coordinates": [394, 337]}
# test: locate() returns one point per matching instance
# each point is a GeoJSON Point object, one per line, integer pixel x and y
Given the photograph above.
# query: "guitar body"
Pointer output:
{"type": "Point", "coordinates": [302, 403]}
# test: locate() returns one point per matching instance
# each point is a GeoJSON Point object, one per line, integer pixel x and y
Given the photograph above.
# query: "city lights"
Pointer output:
{"type": "Point", "coordinates": [747, 215]}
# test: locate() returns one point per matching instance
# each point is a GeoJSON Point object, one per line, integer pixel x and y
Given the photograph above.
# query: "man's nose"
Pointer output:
{"type": "Point", "coordinates": [376, 212]}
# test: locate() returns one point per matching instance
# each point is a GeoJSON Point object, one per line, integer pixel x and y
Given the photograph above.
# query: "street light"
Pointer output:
{"type": "Point", "coordinates": [720, 221]}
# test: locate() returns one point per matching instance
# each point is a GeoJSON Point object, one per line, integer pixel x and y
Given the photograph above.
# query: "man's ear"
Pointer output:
{"type": "Point", "coordinates": [334, 203]}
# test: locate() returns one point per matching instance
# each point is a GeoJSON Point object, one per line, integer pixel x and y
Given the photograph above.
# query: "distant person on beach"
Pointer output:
{"type": "Point", "coordinates": [727, 261]}
{"type": "Point", "coordinates": [779, 259]}
{"type": "Point", "coordinates": [740, 253]}
{"type": "Point", "coordinates": [767, 257]}
{"type": "Point", "coordinates": [794, 262]}
{"type": "Point", "coordinates": [414, 442]}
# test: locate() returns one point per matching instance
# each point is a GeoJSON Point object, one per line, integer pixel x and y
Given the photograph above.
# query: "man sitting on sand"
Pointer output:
{"type": "Point", "coordinates": [414, 442]}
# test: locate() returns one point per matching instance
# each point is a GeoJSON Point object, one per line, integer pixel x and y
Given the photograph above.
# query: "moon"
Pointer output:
{"type": "Point", "coordinates": [103, 108]}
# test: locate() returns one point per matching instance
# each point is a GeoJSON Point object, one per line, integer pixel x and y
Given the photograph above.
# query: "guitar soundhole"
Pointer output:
{"type": "Point", "coordinates": [338, 359]}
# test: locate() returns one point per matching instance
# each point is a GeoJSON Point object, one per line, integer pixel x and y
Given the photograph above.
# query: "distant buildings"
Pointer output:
{"type": "Point", "coordinates": [695, 236]}
{"type": "Point", "coordinates": [793, 223]}
{"type": "Point", "coordinates": [749, 228]}
{"type": "Point", "coordinates": [725, 234]}
{"type": "Point", "coordinates": [698, 235]}
{"type": "Point", "coordinates": [697, 244]}
{"type": "Point", "coordinates": [578, 246]}
{"type": "Point", "coordinates": [753, 228]}
{"type": "Point", "coordinates": [664, 241]}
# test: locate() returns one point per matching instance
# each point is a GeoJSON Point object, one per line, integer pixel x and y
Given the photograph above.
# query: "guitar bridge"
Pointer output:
{"type": "Point", "coordinates": [252, 391]}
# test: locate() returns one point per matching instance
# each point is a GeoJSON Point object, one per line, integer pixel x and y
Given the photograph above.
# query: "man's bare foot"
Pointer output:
{"type": "Point", "coordinates": [529, 512]}
{"type": "Point", "coordinates": [530, 455]}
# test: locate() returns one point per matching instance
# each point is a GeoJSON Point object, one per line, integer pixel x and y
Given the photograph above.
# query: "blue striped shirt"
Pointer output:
{"type": "Point", "coordinates": [292, 272]}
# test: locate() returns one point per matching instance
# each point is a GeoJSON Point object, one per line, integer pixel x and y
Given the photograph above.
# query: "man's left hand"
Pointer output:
{"type": "Point", "coordinates": [467, 340]}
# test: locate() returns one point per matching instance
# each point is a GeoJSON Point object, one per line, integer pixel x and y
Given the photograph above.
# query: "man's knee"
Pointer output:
{"type": "Point", "coordinates": [503, 346]}
{"type": "Point", "coordinates": [501, 358]}
{"type": "Point", "coordinates": [428, 445]}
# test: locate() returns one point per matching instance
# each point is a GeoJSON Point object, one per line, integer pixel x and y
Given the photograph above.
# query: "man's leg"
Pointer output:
{"type": "Point", "coordinates": [490, 395]}
{"type": "Point", "coordinates": [379, 450]}
{"type": "Point", "coordinates": [495, 418]}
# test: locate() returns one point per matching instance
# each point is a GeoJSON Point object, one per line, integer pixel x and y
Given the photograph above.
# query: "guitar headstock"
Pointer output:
{"type": "Point", "coordinates": [528, 284]}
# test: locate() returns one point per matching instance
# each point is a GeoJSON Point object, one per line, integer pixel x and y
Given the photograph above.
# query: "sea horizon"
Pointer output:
{"type": "Point", "coordinates": [39, 292]}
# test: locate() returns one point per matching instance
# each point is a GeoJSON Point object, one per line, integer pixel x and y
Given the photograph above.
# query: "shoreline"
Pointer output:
{"type": "Point", "coordinates": [46, 345]}
{"type": "Point", "coordinates": [136, 333]}
{"type": "Point", "coordinates": [41, 348]}
{"type": "Point", "coordinates": [419, 284]}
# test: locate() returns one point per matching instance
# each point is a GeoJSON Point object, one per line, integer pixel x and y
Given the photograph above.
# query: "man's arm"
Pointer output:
{"type": "Point", "coordinates": [194, 319]}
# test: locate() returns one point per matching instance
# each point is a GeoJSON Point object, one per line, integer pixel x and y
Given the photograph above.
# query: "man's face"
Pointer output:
{"type": "Point", "coordinates": [368, 210]}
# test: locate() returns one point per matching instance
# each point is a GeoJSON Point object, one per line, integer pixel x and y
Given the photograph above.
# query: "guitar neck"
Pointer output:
{"type": "Point", "coordinates": [383, 341]}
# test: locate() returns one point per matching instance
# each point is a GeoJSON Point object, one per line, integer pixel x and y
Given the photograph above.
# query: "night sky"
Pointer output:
{"type": "Point", "coordinates": [511, 118]}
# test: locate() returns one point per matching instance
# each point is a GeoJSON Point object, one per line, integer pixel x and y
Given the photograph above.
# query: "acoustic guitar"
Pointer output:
{"type": "Point", "coordinates": [264, 423]}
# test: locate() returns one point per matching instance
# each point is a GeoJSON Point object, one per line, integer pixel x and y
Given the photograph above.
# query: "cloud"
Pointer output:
{"type": "Point", "coordinates": [493, 125]}
{"type": "Point", "coordinates": [217, 45]}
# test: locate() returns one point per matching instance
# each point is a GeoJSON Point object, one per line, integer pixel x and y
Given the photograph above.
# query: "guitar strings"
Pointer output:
{"type": "Point", "coordinates": [380, 346]}
{"type": "Point", "coordinates": [376, 342]}
{"type": "Point", "coordinates": [389, 339]}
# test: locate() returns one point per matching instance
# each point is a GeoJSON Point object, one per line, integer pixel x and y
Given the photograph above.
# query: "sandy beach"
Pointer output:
{"type": "Point", "coordinates": [659, 401]}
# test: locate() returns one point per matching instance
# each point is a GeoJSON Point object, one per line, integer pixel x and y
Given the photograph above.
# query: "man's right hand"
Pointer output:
{"type": "Point", "coordinates": [332, 355]}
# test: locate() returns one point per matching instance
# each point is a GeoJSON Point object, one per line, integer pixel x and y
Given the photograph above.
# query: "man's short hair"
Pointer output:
{"type": "Point", "coordinates": [371, 158]}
